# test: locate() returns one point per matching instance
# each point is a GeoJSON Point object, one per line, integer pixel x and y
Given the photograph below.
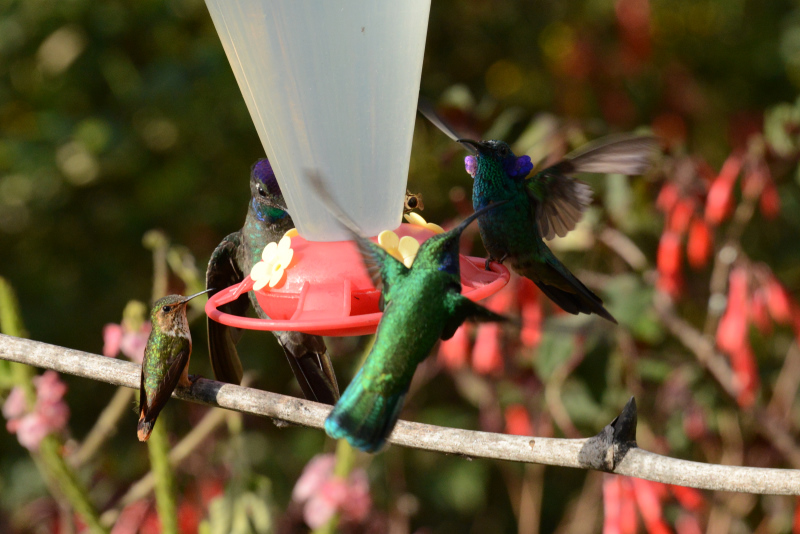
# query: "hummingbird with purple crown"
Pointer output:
{"type": "Point", "coordinates": [550, 203]}
{"type": "Point", "coordinates": [267, 221]}
{"type": "Point", "coordinates": [166, 359]}
{"type": "Point", "coordinates": [420, 305]}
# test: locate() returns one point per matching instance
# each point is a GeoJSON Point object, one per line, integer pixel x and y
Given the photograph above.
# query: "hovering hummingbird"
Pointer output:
{"type": "Point", "coordinates": [547, 204]}
{"type": "Point", "coordinates": [267, 221]}
{"type": "Point", "coordinates": [166, 359]}
{"type": "Point", "coordinates": [420, 306]}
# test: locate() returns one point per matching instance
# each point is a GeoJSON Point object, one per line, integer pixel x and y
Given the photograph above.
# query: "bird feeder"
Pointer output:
{"type": "Point", "coordinates": [332, 87]}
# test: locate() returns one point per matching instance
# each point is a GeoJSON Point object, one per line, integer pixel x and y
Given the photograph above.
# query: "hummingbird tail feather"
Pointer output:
{"type": "Point", "coordinates": [569, 293]}
{"type": "Point", "coordinates": [364, 417]}
{"type": "Point", "coordinates": [311, 365]}
{"type": "Point", "coordinates": [145, 427]}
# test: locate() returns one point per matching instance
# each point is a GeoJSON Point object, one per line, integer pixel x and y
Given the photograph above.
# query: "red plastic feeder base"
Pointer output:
{"type": "Point", "coordinates": [327, 292]}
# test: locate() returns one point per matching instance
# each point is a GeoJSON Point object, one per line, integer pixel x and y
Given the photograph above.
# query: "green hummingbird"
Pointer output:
{"type": "Point", "coordinates": [267, 221]}
{"type": "Point", "coordinates": [420, 306]}
{"type": "Point", "coordinates": [549, 203]}
{"type": "Point", "coordinates": [166, 359]}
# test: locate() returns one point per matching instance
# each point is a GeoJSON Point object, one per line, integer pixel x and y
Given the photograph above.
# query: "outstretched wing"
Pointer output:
{"type": "Point", "coordinates": [223, 271]}
{"type": "Point", "coordinates": [561, 200]}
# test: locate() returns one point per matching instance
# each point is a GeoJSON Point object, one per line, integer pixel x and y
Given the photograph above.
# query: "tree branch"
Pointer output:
{"type": "Point", "coordinates": [630, 461]}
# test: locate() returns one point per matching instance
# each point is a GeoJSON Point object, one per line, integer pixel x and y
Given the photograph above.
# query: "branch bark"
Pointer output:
{"type": "Point", "coordinates": [549, 451]}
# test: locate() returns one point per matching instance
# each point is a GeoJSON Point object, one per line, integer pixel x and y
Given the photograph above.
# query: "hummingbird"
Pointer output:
{"type": "Point", "coordinates": [420, 306]}
{"type": "Point", "coordinates": [267, 220]}
{"type": "Point", "coordinates": [550, 203]}
{"type": "Point", "coordinates": [166, 359]}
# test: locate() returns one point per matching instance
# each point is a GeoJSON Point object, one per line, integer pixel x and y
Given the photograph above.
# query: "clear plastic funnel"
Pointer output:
{"type": "Point", "coordinates": [331, 85]}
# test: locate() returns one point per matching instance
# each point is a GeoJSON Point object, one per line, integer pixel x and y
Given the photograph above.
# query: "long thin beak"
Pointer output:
{"type": "Point", "coordinates": [469, 144]}
{"type": "Point", "coordinates": [190, 297]}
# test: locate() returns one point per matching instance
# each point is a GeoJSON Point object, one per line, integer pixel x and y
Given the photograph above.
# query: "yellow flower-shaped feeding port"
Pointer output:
{"type": "Point", "coordinates": [274, 261]}
{"type": "Point", "coordinates": [404, 250]}
{"type": "Point", "coordinates": [417, 220]}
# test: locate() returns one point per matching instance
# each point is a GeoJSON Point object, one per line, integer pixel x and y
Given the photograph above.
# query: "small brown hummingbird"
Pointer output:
{"type": "Point", "coordinates": [166, 359]}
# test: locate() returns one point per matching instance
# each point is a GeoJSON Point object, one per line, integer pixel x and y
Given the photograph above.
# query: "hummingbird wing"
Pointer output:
{"type": "Point", "coordinates": [223, 271]}
{"type": "Point", "coordinates": [161, 387]}
{"type": "Point", "coordinates": [462, 309]}
{"type": "Point", "coordinates": [562, 200]}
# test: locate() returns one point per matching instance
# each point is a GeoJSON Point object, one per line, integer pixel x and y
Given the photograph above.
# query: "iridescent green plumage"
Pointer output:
{"type": "Point", "coordinates": [420, 306]}
{"type": "Point", "coordinates": [166, 359]}
{"type": "Point", "coordinates": [549, 203]}
{"type": "Point", "coordinates": [267, 220]}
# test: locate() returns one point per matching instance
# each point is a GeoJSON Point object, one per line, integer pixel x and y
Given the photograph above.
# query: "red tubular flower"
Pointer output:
{"type": "Point", "coordinates": [732, 329]}
{"type": "Point", "coordinates": [618, 505]}
{"type": "Point", "coordinates": [719, 202]}
{"type": "Point", "coordinates": [487, 357]}
{"type": "Point", "coordinates": [668, 258]}
{"type": "Point", "coordinates": [689, 498]}
{"type": "Point", "coordinates": [759, 314]}
{"type": "Point", "coordinates": [745, 373]}
{"type": "Point", "coordinates": [648, 500]}
{"type": "Point", "coordinates": [680, 216]}
{"type": "Point", "coordinates": [667, 197]}
{"type": "Point", "coordinates": [688, 524]}
{"type": "Point", "coordinates": [770, 201]}
{"type": "Point", "coordinates": [778, 303]}
{"type": "Point", "coordinates": [454, 352]}
{"type": "Point", "coordinates": [700, 244]}
{"type": "Point", "coordinates": [518, 420]}
{"type": "Point", "coordinates": [530, 312]}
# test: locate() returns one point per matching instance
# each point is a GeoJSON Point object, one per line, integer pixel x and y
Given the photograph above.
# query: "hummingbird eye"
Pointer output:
{"type": "Point", "coordinates": [166, 309]}
{"type": "Point", "coordinates": [503, 151]}
{"type": "Point", "coordinates": [261, 191]}
{"type": "Point", "coordinates": [411, 202]}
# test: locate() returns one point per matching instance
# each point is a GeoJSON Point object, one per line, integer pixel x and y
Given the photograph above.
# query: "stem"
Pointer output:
{"type": "Point", "coordinates": [63, 478]}
{"type": "Point", "coordinates": [345, 461]}
{"type": "Point", "coordinates": [104, 428]}
{"type": "Point", "coordinates": [158, 447]}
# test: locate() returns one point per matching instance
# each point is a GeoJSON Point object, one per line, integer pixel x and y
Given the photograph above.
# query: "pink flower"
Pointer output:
{"type": "Point", "coordinates": [120, 338]}
{"type": "Point", "coordinates": [15, 405]}
{"type": "Point", "coordinates": [31, 430]}
{"type": "Point", "coordinates": [323, 494]}
{"type": "Point", "coordinates": [49, 414]}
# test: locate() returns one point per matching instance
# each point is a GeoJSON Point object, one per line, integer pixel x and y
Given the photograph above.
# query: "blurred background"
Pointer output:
{"type": "Point", "coordinates": [125, 150]}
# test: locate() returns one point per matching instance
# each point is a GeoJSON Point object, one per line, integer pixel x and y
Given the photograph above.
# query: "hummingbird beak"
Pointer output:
{"type": "Point", "coordinates": [469, 144]}
{"type": "Point", "coordinates": [190, 297]}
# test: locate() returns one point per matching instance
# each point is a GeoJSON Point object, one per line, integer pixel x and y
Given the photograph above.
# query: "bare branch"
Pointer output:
{"type": "Point", "coordinates": [550, 451]}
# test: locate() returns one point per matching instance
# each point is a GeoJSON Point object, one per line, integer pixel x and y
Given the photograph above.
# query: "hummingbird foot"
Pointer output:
{"type": "Point", "coordinates": [490, 259]}
{"type": "Point", "coordinates": [191, 381]}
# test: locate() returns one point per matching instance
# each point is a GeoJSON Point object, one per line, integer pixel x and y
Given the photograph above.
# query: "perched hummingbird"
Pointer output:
{"type": "Point", "coordinates": [420, 306]}
{"type": "Point", "coordinates": [547, 204]}
{"type": "Point", "coordinates": [267, 221]}
{"type": "Point", "coordinates": [166, 359]}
